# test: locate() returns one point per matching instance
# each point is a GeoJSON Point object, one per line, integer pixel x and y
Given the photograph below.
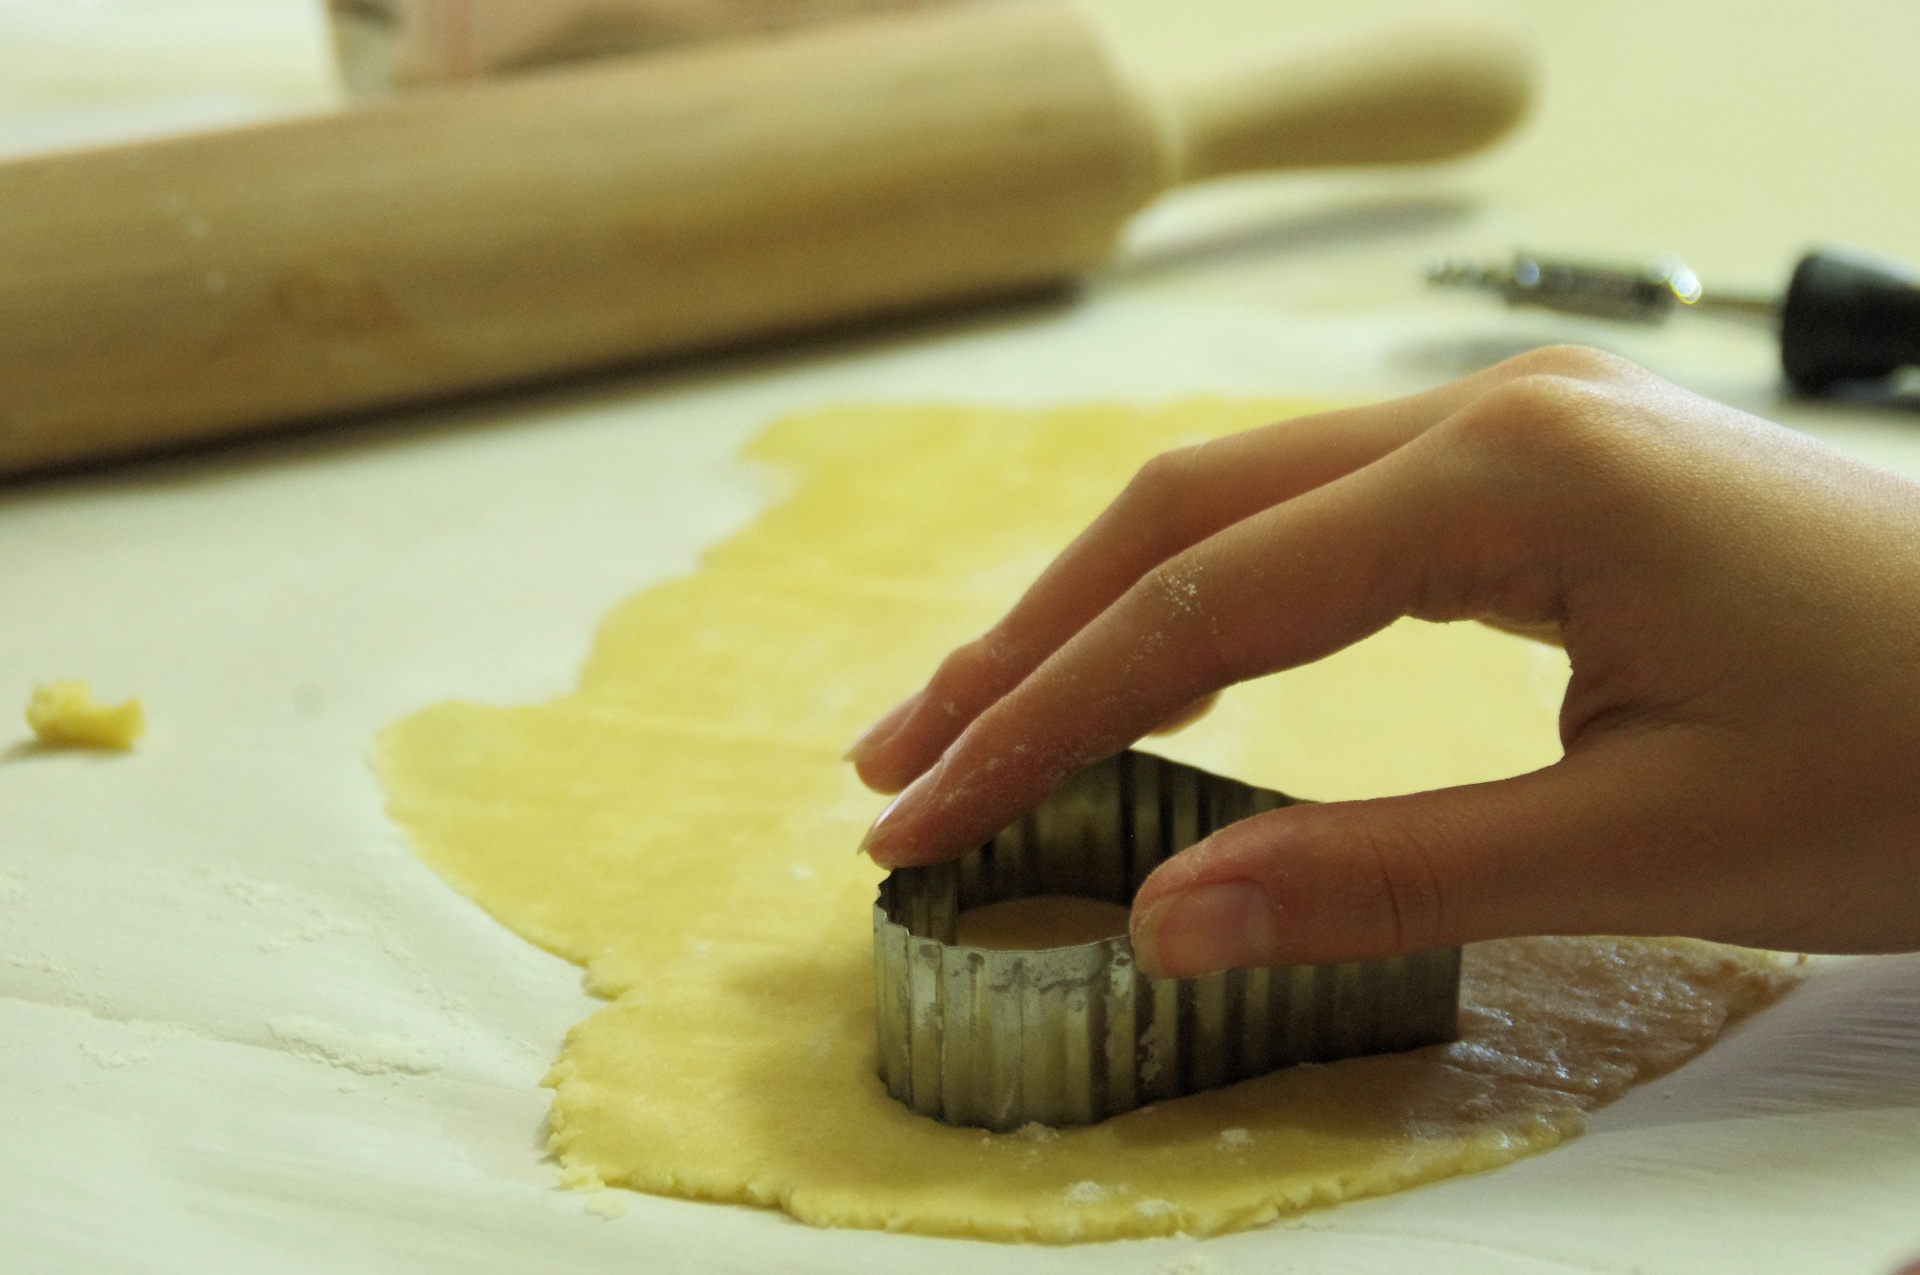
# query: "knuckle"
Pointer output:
{"type": "Point", "coordinates": [1168, 470]}
{"type": "Point", "coordinates": [1408, 885]}
{"type": "Point", "coordinates": [1368, 879]}
{"type": "Point", "coordinates": [1539, 417]}
{"type": "Point", "coordinates": [1157, 490]}
{"type": "Point", "coordinates": [1579, 362]}
{"type": "Point", "coordinates": [981, 662]}
{"type": "Point", "coordinates": [1181, 608]}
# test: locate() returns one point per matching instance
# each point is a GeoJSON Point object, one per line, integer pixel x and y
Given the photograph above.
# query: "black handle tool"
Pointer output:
{"type": "Point", "coordinates": [1847, 316]}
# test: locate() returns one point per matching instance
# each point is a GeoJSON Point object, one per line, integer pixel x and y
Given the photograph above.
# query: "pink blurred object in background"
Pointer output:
{"type": "Point", "coordinates": [389, 45]}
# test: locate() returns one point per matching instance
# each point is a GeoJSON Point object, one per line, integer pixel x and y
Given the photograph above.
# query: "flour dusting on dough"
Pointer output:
{"type": "Point", "coordinates": [1087, 1193]}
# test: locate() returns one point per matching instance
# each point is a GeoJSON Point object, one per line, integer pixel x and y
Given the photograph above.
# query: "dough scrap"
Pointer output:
{"type": "Point", "coordinates": [63, 715]}
{"type": "Point", "coordinates": [681, 825]}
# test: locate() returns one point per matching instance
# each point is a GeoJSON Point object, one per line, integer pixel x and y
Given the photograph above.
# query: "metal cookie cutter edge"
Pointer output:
{"type": "Point", "coordinates": [1073, 1035]}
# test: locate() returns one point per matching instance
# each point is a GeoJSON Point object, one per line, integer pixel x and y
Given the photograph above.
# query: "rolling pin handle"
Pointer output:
{"type": "Point", "coordinates": [1413, 89]}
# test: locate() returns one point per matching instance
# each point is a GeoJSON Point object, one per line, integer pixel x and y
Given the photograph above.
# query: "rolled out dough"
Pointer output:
{"type": "Point", "coordinates": [682, 826]}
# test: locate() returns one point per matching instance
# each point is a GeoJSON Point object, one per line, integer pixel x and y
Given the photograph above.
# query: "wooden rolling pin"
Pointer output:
{"type": "Point", "coordinates": [169, 291]}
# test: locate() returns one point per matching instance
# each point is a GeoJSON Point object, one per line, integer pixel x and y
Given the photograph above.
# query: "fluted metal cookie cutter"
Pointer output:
{"type": "Point", "coordinates": [1072, 1035]}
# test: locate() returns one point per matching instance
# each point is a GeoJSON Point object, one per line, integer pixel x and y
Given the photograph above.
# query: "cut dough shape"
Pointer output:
{"type": "Point", "coordinates": [1041, 921]}
{"type": "Point", "coordinates": [650, 826]}
{"type": "Point", "coordinates": [63, 715]}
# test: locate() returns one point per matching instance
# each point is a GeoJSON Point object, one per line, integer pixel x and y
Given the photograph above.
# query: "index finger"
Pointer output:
{"type": "Point", "coordinates": [1425, 530]}
{"type": "Point", "coordinates": [1177, 501]}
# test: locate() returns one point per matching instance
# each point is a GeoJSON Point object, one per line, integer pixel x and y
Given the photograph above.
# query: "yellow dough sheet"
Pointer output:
{"type": "Point", "coordinates": [682, 827]}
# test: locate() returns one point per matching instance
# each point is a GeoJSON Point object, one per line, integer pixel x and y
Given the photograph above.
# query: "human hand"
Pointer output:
{"type": "Point", "coordinates": [1740, 604]}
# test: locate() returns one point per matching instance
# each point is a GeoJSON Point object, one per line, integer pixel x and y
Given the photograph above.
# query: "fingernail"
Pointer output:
{"type": "Point", "coordinates": [884, 836]}
{"type": "Point", "coordinates": [881, 731]}
{"type": "Point", "coordinates": [1214, 927]}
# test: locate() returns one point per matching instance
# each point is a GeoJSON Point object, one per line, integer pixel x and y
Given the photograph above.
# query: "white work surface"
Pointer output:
{"type": "Point", "coordinates": [241, 1029]}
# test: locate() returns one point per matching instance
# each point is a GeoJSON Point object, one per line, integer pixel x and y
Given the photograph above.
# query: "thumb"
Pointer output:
{"type": "Point", "coordinates": [1589, 845]}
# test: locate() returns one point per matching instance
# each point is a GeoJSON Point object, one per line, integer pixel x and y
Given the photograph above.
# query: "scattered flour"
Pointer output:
{"type": "Point", "coordinates": [113, 1058]}
{"type": "Point", "coordinates": [1235, 1139]}
{"type": "Point", "coordinates": [314, 922]}
{"type": "Point", "coordinates": [67, 989]}
{"type": "Point", "coordinates": [799, 872]}
{"type": "Point", "coordinates": [581, 1177]}
{"type": "Point", "coordinates": [45, 964]}
{"type": "Point", "coordinates": [1196, 1264]}
{"type": "Point", "coordinates": [320, 1042]}
{"type": "Point", "coordinates": [1034, 1131]}
{"type": "Point", "coordinates": [323, 925]}
{"type": "Point", "coordinates": [1087, 1193]}
{"type": "Point", "coordinates": [1150, 1061]}
{"type": "Point", "coordinates": [1181, 591]}
{"type": "Point", "coordinates": [600, 1202]}
{"type": "Point", "coordinates": [250, 890]}
{"type": "Point", "coordinates": [606, 1205]}
{"type": "Point", "coordinates": [1156, 1208]}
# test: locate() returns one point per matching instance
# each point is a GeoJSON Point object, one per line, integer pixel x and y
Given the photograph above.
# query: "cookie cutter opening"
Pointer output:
{"type": "Point", "coordinates": [1073, 1035]}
